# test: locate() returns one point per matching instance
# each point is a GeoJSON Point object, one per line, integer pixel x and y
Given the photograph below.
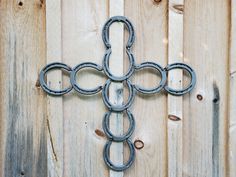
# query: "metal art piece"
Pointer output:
{"type": "Point", "coordinates": [133, 89]}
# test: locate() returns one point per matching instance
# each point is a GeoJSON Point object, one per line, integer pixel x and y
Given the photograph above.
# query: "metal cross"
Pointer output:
{"type": "Point", "coordinates": [133, 88]}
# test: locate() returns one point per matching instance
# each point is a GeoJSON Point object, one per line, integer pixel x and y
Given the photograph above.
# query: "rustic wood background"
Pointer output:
{"type": "Point", "coordinates": [189, 136]}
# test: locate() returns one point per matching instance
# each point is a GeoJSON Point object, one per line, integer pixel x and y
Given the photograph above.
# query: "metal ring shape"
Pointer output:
{"type": "Point", "coordinates": [73, 78]}
{"type": "Point", "coordinates": [105, 30]}
{"type": "Point", "coordinates": [108, 72]}
{"type": "Point", "coordinates": [43, 73]}
{"type": "Point", "coordinates": [160, 70]}
{"type": "Point", "coordinates": [189, 87]}
{"type": "Point", "coordinates": [120, 167]}
{"type": "Point", "coordinates": [110, 105]}
{"type": "Point", "coordinates": [110, 135]}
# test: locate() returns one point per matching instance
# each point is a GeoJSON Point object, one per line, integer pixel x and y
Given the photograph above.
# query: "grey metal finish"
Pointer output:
{"type": "Point", "coordinates": [160, 70]}
{"type": "Point", "coordinates": [105, 37]}
{"type": "Point", "coordinates": [109, 134]}
{"type": "Point", "coordinates": [110, 105]}
{"type": "Point", "coordinates": [133, 88]}
{"type": "Point", "coordinates": [42, 75]}
{"type": "Point", "coordinates": [73, 78]}
{"type": "Point", "coordinates": [192, 82]}
{"type": "Point", "coordinates": [114, 167]}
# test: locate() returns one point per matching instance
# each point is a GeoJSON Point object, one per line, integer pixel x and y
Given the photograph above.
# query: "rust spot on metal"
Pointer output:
{"type": "Point", "coordinates": [199, 97]}
{"type": "Point", "coordinates": [178, 8]}
{"type": "Point", "coordinates": [173, 117]}
{"type": "Point", "coordinates": [100, 133]}
{"type": "Point", "coordinates": [138, 144]}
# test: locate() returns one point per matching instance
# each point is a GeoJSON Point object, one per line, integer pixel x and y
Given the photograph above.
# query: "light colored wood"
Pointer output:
{"type": "Point", "coordinates": [55, 104]}
{"type": "Point", "coordinates": [206, 44]}
{"type": "Point", "coordinates": [23, 149]}
{"type": "Point", "coordinates": [116, 7]}
{"type": "Point", "coordinates": [232, 94]}
{"type": "Point", "coordinates": [82, 23]}
{"type": "Point", "coordinates": [175, 103]}
{"type": "Point", "coordinates": [150, 21]}
{"type": "Point", "coordinates": [46, 136]}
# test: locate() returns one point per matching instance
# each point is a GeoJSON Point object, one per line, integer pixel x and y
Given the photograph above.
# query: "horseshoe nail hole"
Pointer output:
{"type": "Point", "coordinates": [138, 144]}
{"type": "Point", "coordinates": [54, 82]}
{"type": "Point", "coordinates": [20, 3]}
{"type": "Point", "coordinates": [178, 78]}
{"type": "Point", "coordinates": [199, 97]}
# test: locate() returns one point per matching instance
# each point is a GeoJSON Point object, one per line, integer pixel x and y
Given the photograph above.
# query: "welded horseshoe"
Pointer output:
{"type": "Point", "coordinates": [73, 78]}
{"type": "Point", "coordinates": [43, 72]}
{"type": "Point", "coordinates": [160, 85]}
{"type": "Point", "coordinates": [108, 72]}
{"type": "Point", "coordinates": [128, 24]}
{"type": "Point", "coordinates": [114, 167]}
{"type": "Point", "coordinates": [105, 37]}
{"type": "Point", "coordinates": [115, 108]}
{"type": "Point", "coordinates": [189, 87]}
{"type": "Point", "coordinates": [109, 134]}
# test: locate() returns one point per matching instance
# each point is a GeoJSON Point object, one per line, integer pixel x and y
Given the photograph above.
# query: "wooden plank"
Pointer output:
{"type": "Point", "coordinates": [175, 104]}
{"type": "Point", "coordinates": [150, 22]}
{"type": "Point", "coordinates": [116, 7]}
{"type": "Point", "coordinates": [82, 23]}
{"type": "Point", "coordinates": [23, 149]}
{"type": "Point", "coordinates": [206, 38]}
{"type": "Point", "coordinates": [232, 94]}
{"type": "Point", "coordinates": [55, 104]}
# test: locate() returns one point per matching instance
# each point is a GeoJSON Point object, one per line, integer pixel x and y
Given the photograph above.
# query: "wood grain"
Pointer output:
{"type": "Point", "coordinates": [150, 21]}
{"type": "Point", "coordinates": [82, 23]}
{"type": "Point", "coordinates": [175, 80]}
{"type": "Point", "coordinates": [232, 94]}
{"type": "Point", "coordinates": [206, 44]}
{"type": "Point", "coordinates": [23, 149]}
{"type": "Point", "coordinates": [55, 104]}
{"type": "Point", "coordinates": [116, 35]}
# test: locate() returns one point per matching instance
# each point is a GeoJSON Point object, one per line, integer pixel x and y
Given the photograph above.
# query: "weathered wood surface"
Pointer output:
{"type": "Point", "coordinates": [116, 36]}
{"type": "Point", "coordinates": [232, 94]}
{"type": "Point", "coordinates": [193, 135]}
{"type": "Point", "coordinates": [175, 104]}
{"type": "Point", "coordinates": [206, 49]}
{"type": "Point", "coordinates": [82, 23]}
{"type": "Point", "coordinates": [150, 21]}
{"type": "Point", "coordinates": [23, 149]}
{"type": "Point", "coordinates": [55, 104]}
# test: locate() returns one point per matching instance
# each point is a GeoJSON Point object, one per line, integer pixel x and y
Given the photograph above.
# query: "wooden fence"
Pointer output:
{"type": "Point", "coordinates": [189, 136]}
